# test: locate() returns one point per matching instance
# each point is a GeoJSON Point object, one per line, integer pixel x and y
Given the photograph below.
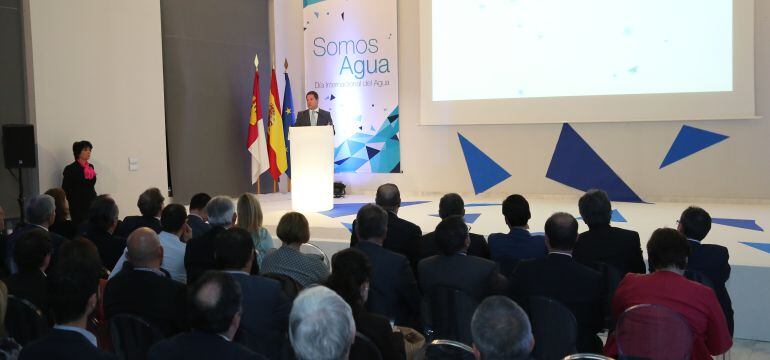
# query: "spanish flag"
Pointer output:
{"type": "Point", "coordinates": [256, 142]}
{"type": "Point", "coordinates": [276, 144]}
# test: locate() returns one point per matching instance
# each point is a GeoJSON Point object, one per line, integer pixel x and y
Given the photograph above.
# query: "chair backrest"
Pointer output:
{"type": "Point", "coordinates": [553, 326]}
{"type": "Point", "coordinates": [364, 348]}
{"type": "Point", "coordinates": [132, 336]}
{"type": "Point", "coordinates": [586, 357]}
{"type": "Point", "coordinates": [611, 277]}
{"type": "Point", "coordinates": [24, 321]}
{"type": "Point", "coordinates": [653, 332]}
{"type": "Point", "coordinates": [447, 313]}
{"type": "Point", "coordinates": [448, 350]}
{"type": "Point", "coordinates": [508, 265]}
{"type": "Point", "coordinates": [314, 250]}
{"type": "Point", "coordinates": [289, 286]}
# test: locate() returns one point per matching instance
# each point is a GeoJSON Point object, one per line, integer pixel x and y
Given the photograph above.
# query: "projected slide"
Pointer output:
{"type": "Point", "coordinates": [502, 49]}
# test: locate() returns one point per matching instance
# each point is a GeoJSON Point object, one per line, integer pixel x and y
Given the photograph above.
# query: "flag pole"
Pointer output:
{"type": "Point", "coordinates": [286, 70]}
{"type": "Point", "coordinates": [259, 188]}
{"type": "Point", "coordinates": [275, 186]}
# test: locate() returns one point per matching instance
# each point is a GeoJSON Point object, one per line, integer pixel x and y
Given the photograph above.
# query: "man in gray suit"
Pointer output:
{"type": "Point", "coordinates": [313, 116]}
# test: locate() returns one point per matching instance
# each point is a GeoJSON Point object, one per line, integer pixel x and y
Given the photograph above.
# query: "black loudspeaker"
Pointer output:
{"type": "Point", "coordinates": [19, 146]}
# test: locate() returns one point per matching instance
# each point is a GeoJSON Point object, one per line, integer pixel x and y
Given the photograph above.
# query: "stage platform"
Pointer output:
{"type": "Point", "coordinates": [739, 227]}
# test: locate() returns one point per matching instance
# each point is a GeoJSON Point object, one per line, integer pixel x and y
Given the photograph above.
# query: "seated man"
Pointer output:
{"type": "Point", "coordinates": [393, 291]}
{"type": "Point", "coordinates": [603, 243]}
{"type": "Point", "coordinates": [563, 279]}
{"type": "Point", "coordinates": [709, 260]}
{"type": "Point", "coordinates": [150, 204]}
{"type": "Point", "coordinates": [403, 236]}
{"type": "Point", "coordinates": [41, 213]}
{"type": "Point", "coordinates": [199, 254]}
{"type": "Point", "coordinates": [32, 254]}
{"type": "Point", "coordinates": [173, 238]}
{"type": "Point", "coordinates": [321, 325]}
{"type": "Point", "coordinates": [518, 243]}
{"type": "Point", "coordinates": [102, 222]}
{"type": "Point", "coordinates": [265, 308]}
{"type": "Point", "coordinates": [452, 204]}
{"type": "Point", "coordinates": [666, 286]}
{"type": "Point", "coordinates": [143, 290]}
{"type": "Point", "coordinates": [501, 330]}
{"type": "Point", "coordinates": [198, 217]}
{"type": "Point", "coordinates": [216, 315]}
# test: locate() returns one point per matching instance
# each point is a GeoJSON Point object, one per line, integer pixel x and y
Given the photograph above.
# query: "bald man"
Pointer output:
{"type": "Point", "coordinates": [142, 289]}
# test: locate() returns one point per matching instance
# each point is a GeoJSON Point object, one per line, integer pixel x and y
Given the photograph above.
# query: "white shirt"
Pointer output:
{"type": "Point", "coordinates": [173, 257]}
{"type": "Point", "coordinates": [87, 334]}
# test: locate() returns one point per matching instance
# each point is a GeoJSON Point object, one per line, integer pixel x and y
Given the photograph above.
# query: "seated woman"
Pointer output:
{"type": "Point", "coordinates": [666, 286]}
{"type": "Point", "coordinates": [250, 219]}
{"type": "Point", "coordinates": [294, 230]}
{"type": "Point", "coordinates": [350, 279]}
{"type": "Point", "coordinates": [62, 225]}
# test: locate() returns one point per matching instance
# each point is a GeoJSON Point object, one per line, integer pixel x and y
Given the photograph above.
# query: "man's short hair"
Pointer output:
{"type": "Point", "coordinates": [81, 252]}
{"type": "Point", "coordinates": [31, 249]}
{"type": "Point", "coordinates": [173, 217]}
{"type": "Point", "coordinates": [451, 234]}
{"type": "Point", "coordinates": [666, 248]}
{"type": "Point", "coordinates": [150, 202]}
{"type": "Point", "coordinates": [103, 212]}
{"type": "Point", "coordinates": [70, 288]}
{"type": "Point", "coordinates": [234, 248]}
{"type": "Point", "coordinates": [695, 223]}
{"type": "Point", "coordinates": [595, 207]}
{"type": "Point", "coordinates": [321, 325]}
{"type": "Point", "coordinates": [214, 300]}
{"type": "Point", "coordinates": [501, 330]}
{"type": "Point", "coordinates": [79, 146]}
{"type": "Point", "coordinates": [40, 208]}
{"type": "Point", "coordinates": [371, 222]}
{"type": "Point", "coordinates": [293, 228]}
{"type": "Point", "coordinates": [315, 94]}
{"type": "Point", "coordinates": [388, 196]}
{"type": "Point", "coordinates": [516, 210]}
{"type": "Point", "coordinates": [199, 201]}
{"type": "Point", "coordinates": [561, 229]}
{"type": "Point", "coordinates": [451, 204]}
{"type": "Point", "coordinates": [220, 210]}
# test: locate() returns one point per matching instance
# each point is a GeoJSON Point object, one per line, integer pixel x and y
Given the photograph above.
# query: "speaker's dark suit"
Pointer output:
{"type": "Point", "coordinates": [324, 118]}
{"type": "Point", "coordinates": [200, 345]}
{"type": "Point", "coordinates": [393, 290]}
{"type": "Point", "coordinates": [79, 190]}
{"type": "Point", "coordinates": [64, 344]}
{"type": "Point", "coordinates": [110, 247]}
{"type": "Point", "coordinates": [575, 286]}
{"type": "Point", "coordinates": [403, 237]}
{"type": "Point", "coordinates": [131, 223]}
{"type": "Point", "coordinates": [477, 277]}
{"type": "Point", "coordinates": [10, 245]}
{"type": "Point", "coordinates": [198, 226]}
{"type": "Point", "coordinates": [478, 246]}
{"type": "Point", "coordinates": [610, 245]}
{"type": "Point", "coordinates": [712, 261]}
{"type": "Point", "coordinates": [199, 254]}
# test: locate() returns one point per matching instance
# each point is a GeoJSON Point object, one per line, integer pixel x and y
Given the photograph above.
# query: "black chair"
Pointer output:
{"type": "Point", "coordinates": [448, 350]}
{"type": "Point", "coordinates": [611, 278]}
{"type": "Point", "coordinates": [447, 313]}
{"type": "Point", "coordinates": [24, 321]}
{"type": "Point", "coordinates": [132, 336]}
{"type": "Point", "coordinates": [508, 266]}
{"type": "Point", "coordinates": [553, 326]}
{"type": "Point", "coordinates": [586, 357]}
{"type": "Point", "coordinates": [289, 286]}
{"type": "Point", "coordinates": [364, 348]}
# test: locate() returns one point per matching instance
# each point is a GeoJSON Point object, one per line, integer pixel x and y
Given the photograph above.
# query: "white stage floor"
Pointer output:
{"type": "Point", "coordinates": [749, 285]}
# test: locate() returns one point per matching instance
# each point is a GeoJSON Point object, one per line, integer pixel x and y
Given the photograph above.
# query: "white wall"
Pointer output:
{"type": "Point", "coordinates": [432, 160]}
{"type": "Point", "coordinates": [97, 74]}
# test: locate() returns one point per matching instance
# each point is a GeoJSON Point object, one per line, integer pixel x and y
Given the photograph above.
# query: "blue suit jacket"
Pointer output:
{"type": "Point", "coordinates": [518, 244]}
{"type": "Point", "coordinates": [63, 344]}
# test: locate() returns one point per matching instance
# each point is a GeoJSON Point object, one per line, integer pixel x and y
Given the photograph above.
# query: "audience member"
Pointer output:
{"type": "Point", "coordinates": [150, 205]}
{"type": "Point", "coordinates": [250, 218]}
{"type": "Point", "coordinates": [475, 276]}
{"type": "Point", "coordinates": [175, 234]}
{"type": "Point", "coordinates": [294, 230]}
{"type": "Point", "coordinates": [563, 279]}
{"type": "Point", "coordinates": [350, 276]}
{"type": "Point", "coordinates": [32, 255]}
{"type": "Point", "coordinates": [603, 243]}
{"type": "Point", "coordinates": [198, 217]}
{"type": "Point", "coordinates": [501, 330]}
{"type": "Point", "coordinates": [102, 222]}
{"type": "Point", "coordinates": [199, 254]}
{"type": "Point", "coordinates": [666, 286]}
{"type": "Point", "coordinates": [393, 288]}
{"type": "Point", "coordinates": [143, 290]}
{"type": "Point", "coordinates": [215, 300]}
{"type": "Point", "coordinates": [41, 213]}
{"type": "Point", "coordinates": [9, 348]}
{"type": "Point", "coordinates": [80, 252]}
{"type": "Point", "coordinates": [62, 225]}
{"type": "Point", "coordinates": [452, 204]}
{"type": "Point", "coordinates": [709, 260]}
{"type": "Point", "coordinates": [266, 309]}
{"type": "Point", "coordinates": [403, 237]}
{"type": "Point", "coordinates": [321, 325]}
{"type": "Point", "coordinates": [518, 243]}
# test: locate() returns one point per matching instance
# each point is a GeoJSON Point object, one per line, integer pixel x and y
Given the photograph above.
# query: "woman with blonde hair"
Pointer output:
{"type": "Point", "coordinates": [250, 218]}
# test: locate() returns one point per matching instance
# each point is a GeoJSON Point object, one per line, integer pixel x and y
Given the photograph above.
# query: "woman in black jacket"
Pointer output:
{"type": "Point", "coordinates": [78, 182]}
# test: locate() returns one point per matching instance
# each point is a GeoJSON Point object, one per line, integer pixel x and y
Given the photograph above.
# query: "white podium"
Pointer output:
{"type": "Point", "coordinates": [312, 168]}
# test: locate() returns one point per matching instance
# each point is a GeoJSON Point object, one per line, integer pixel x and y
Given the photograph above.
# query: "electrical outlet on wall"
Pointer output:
{"type": "Point", "coordinates": [133, 164]}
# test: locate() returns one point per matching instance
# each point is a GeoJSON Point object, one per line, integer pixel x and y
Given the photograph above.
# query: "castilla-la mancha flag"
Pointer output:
{"type": "Point", "coordinates": [256, 142]}
{"type": "Point", "coordinates": [276, 146]}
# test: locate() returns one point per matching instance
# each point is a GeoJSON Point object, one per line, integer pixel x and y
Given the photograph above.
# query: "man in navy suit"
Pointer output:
{"type": "Point", "coordinates": [452, 204]}
{"type": "Point", "coordinates": [709, 260]}
{"type": "Point", "coordinates": [313, 116]}
{"type": "Point", "coordinates": [150, 204]}
{"type": "Point", "coordinates": [518, 243]}
{"type": "Point", "coordinates": [41, 213]}
{"type": "Point", "coordinates": [198, 219]}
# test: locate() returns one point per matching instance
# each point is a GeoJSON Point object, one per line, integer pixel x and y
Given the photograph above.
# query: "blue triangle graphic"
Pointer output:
{"type": "Point", "coordinates": [738, 223]}
{"type": "Point", "coordinates": [759, 246]}
{"type": "Point", "coordinates": [616, 217]}
{"type": "Point", "coordinates": [577, 165]}
{"type": "Point", "coordinates": [348, 226]}
{"type": "Point", "coordinates": [689, 141]}
{"type": "Point", "coordinates": [469, 218]}
{"type": "Point", "coordinates": [485, 172]}
{"type": "Point", "coordinates": [371, 152]}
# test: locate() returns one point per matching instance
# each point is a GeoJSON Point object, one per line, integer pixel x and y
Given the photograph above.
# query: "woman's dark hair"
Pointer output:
{"type": "Point", "coordinates": [350, 269]}
{"type": "Point", "coordinates": [668, 247]}
{"type": "Point", "coordinates": [451, 234]}
{"type": "Point", "coordinates": [293, 228]}
{"type": "Point", "coordinates": [79, 146]}
{"type": "Point", "coordinates": [59, 197]}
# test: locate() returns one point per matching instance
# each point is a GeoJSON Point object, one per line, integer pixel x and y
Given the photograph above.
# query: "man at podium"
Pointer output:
{"type": "Point", "coordinates": [313, 116]}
